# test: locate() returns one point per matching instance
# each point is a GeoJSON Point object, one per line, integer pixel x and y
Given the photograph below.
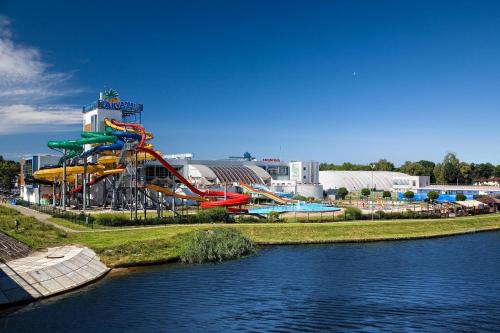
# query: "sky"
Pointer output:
{"type": "Point", "coordinates": [330, 81]}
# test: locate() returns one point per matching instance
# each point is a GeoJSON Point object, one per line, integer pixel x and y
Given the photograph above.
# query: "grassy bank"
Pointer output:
{"type": "Point", "coordinates": [127, 247]}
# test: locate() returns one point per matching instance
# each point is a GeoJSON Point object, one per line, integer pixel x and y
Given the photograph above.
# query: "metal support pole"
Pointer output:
{"type": "Point", "coordinates": [136, 198]}
{"type": "Point", "coordinates": [173, 198]}
{"type": "Point", "coordinates": [158, 204]}
{"type": "Point", "coordinates": [64, 181]}
{"type": "Point", "coordinates": [54, 193]}
{"type": "Point", "coordinates": [84, 203]}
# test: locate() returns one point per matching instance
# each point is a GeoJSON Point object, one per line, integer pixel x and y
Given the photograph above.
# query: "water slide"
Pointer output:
{"type": "Point", "coordinates": [75, 147]}
{"type": "Point", "coordinates": [100, 176]}
{"type": "Point", "coordinates": [266, 194]}
{"type": "Point", "coordinates": [232, 199]}
{"type": "Point", "coordinates": [170, 193]}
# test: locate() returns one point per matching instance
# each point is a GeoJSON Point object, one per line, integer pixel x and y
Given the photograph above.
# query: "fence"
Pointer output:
{"type": "Point", "coordinates": [79, 218]}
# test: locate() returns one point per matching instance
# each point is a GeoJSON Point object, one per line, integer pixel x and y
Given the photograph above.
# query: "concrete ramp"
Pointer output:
{"type": "Point", "coordinates": [47, 273]}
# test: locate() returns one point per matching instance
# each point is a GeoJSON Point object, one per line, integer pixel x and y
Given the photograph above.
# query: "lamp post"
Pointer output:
{"type": "Point", "coordinates": [372, 166]}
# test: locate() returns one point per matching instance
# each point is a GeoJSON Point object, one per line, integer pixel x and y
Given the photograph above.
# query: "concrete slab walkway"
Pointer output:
{"type": "Point", "coordinates": [46, 273]}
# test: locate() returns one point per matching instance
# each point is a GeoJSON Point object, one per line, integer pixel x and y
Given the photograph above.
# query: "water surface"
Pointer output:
{"type": "Point", "coordinates": [437, 285]}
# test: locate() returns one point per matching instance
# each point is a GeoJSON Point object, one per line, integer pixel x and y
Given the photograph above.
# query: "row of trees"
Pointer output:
{"type": "Point", "coordinates": [450, 171]}
{"type": "Point", "coordinates": [9, 170]}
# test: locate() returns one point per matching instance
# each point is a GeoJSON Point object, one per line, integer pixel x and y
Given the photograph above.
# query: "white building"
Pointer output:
{"type": "Point", "coordinates": [30, 190]}
{"type": "Point", "coordinates": [357, 180]}
{"type": "Point", "coordinates": [304, 172]}
{"type": "Point", "coordinates": [407, 183]}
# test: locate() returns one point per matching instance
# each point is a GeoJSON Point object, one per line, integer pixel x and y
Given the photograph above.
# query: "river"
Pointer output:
{"type": "Point", "coordinates": [435, 285]}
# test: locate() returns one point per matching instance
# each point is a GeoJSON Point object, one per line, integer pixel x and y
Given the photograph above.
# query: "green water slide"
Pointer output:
{"type": "Point", "coordinates": [75, 147]}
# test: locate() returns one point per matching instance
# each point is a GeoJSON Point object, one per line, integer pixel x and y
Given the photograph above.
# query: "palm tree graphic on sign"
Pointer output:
{"type": "Point", "coordinates": [111, 96]}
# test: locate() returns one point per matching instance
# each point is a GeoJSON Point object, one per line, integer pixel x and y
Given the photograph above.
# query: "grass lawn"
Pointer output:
{"type": "Point", "coordinates": [146, 245]}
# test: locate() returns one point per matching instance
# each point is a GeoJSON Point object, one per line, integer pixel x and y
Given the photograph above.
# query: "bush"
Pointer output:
{"type": "Point", "coordinates": [353, 213]}
{"type": "Point", "coordinates": [274, 217]}
{"type": "Point", "coordinates": [409, 195]}
{"type": "Point", "coordinates": [215, 246]}
{"type": "Point", "coordinates": [460, 197]}
{"type": "Point", "coordinates": [342, 192]}
{"type": "Point", "coordinates": [386, 194]}
{"type": "Point", "coordinates": [214, 215]}
{"type": "Point", "coordinates": [365, 192]}
{"type": "Point", "coordinates": [379, 215]}
{"type": "Point", "coordinates": [432, 196]}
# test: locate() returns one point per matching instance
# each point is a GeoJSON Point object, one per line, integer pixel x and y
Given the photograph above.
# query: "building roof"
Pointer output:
{"type": "Point", "coordinates": [485, 188]}
{"type": "Point", "coordinates": [229, 173]}
{"type": "Point", "coordinates": [356, 180]}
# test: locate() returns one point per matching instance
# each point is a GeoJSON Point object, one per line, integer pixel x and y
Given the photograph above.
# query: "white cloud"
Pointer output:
{"type": "Point", "coordinates": [26, 87]}
{"type": "Point", "coordinates": [27, 118]}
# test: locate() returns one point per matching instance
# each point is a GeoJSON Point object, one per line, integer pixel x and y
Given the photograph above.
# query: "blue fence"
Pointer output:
{"type": "Point", "coordinates": [441, 198]}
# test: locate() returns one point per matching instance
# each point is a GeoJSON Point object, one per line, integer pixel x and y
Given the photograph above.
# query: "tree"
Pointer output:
{"type": "Point", "coordinates": [365, 192]}
{"type": "Point", "coordinates": [386, 194]}
{"type": "Point", "coordinates": [433, 196]}
{"type": "Point", "coordinates": [468, 172]}
{"type": "Point", "coordinates": [413, 169]}
{"type": "Point", "coordinates": [384, 165]}
{"type": "Point", "coordinates": [484, 170]}
{"type": "Point", "coordinates": [342, 192]}
{"type": "Point", "coordinates": [449, 170]}
{"type": "Point", "coordinates": [429, 169]}
{"type": "Point", "coordinates": [460, 197]}
{"type": "Point", "coordinates": [420, 168]}
{"type": "Point", "coordinates": [9, 170]}
{"type": "Point", "coordinates": [409, 195]}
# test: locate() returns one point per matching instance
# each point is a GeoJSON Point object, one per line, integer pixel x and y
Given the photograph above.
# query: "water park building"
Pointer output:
{"type": "Point", "coordinates": [114, 164]}
{"type": "Point", "coordinates": [377, 180]}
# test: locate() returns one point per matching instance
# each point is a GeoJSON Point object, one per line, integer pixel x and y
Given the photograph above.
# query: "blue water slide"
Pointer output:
{"type": "Point", "coordinates": [118, 145]}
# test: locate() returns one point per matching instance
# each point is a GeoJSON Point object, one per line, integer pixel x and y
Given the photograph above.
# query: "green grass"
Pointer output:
{"type": "Point", "coordinates": [69, 224]}
{"type": "Point", "coordinates": [31, 232]}
{"type": "Point", "coordinates": [136, 246]}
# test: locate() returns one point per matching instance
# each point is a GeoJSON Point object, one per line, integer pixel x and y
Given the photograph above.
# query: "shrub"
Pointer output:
{"type": "Point", "coordinates": [342, 192]}
{"type": "Point", "coordinates": [460, 197]}
{"type": "Point", "coordinates": [300, 197]}
{"type": "Point", "coordinates": [353, 213]}
{"type": "Point", "coordinates": [215, 245]}
{"type": "Point", "coordinates": [274, 217]}
{"type": "Point", "coordinates": [214, 215]}
{"type": "Point", "coordinates": [409, 195]}
{"type": "Point", "coordinates": [365, 192]}
{"type": "Point", "coordinates": [432, 196]}
{"type": "Point", "coordinates": [379, 215]}
{"type": "Point", "coordinates": [114, 220]}
{"type": "Point", "coordinates": [386, 194]}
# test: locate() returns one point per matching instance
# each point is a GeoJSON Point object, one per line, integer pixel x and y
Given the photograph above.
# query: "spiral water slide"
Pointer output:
{"type": "Point", "coordinates": [231, 199]}
{"type": "Point", "coordinates": [266, 194]}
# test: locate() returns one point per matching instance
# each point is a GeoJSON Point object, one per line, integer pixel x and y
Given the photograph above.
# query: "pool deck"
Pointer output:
{"type": "Point", "coordinates": [47, 273]}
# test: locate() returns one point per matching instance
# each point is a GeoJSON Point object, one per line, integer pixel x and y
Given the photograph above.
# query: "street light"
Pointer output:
{"type": "Point", "coordinates": [373, 167]}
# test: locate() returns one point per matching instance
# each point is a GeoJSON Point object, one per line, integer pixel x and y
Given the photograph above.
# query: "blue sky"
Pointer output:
{"type": "Point", "coordinates": [323, 80]}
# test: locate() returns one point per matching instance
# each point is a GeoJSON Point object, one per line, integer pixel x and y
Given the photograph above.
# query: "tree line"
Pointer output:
{"type": "Point", "coordinates": [449, 171]}
{"type": "Point", "coordinates": [9, 170]}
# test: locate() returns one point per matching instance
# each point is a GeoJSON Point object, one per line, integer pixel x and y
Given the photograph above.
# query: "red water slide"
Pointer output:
{"type": "Point", "coordinates": [90, 183]}
{"type": "Point", "coordinates": [232, 199]}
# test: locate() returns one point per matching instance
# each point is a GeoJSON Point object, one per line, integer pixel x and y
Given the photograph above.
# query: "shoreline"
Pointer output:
{"type": "Point", "coordinates": [125, 268]}
{"type": "Point", "coordinates": [162, 244]}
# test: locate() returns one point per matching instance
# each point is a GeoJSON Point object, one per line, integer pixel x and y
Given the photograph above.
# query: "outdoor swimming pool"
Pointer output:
{"type": "Point", "coordinates": [299, 207]}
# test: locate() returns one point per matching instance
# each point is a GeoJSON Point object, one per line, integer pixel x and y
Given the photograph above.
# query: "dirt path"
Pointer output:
{"type": "Point", "coordinates": [42, 217]}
